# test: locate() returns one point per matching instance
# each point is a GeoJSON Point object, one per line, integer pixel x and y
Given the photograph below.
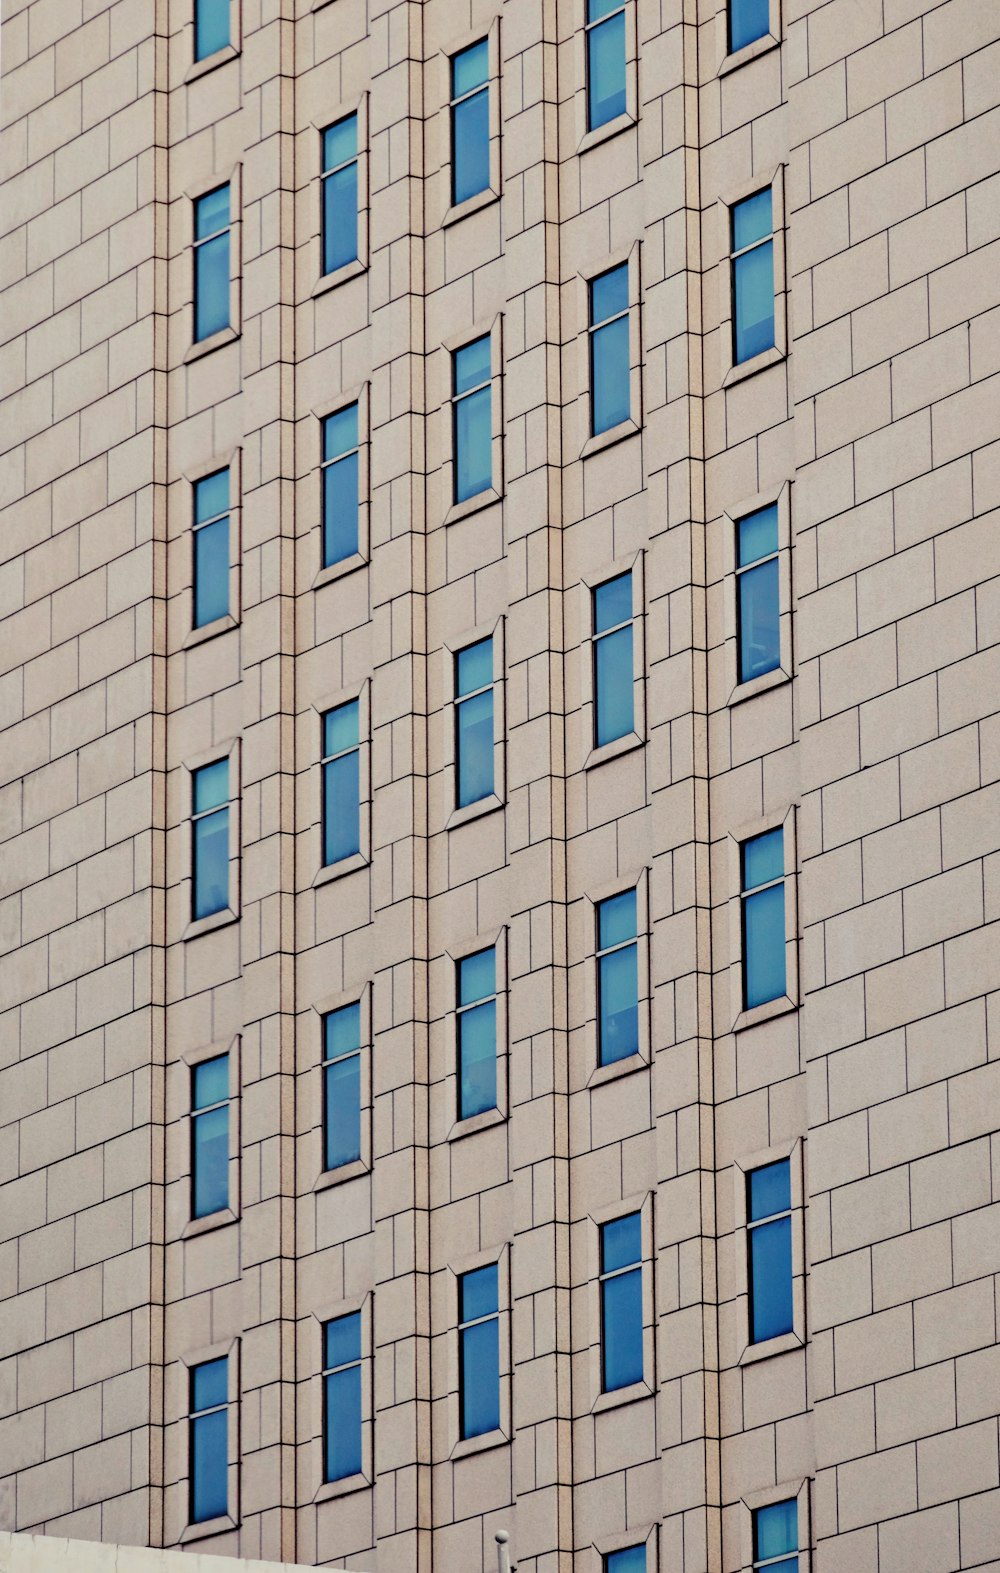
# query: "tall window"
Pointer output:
{"type": "Point", "coordinates": [341, 783]}
{"type": "Point", "coordinates": [210, 839]}
{"type": "Point", "coordinates": [763, 901]}
{"type": "Point", "coordinates": [340, 485]}
{"type": "Point", "coordinates": [610, 400]}
{"type": "Point", "coordinates": [342, 1397]}
{"type": "Point", "coordinates": [342, 1086]}
{"type": "Point", "coordinates": [621, 1302]}
{"type": "Point", "coordinates": [472, 423]}
{"type": "Point", "coordinates": [211, 263]}
{"type": "Point", "coordinates": [617, 979]}
{"type": "Point", "coordinates": [211, 548]}
{"type": "Point", "coordinates": [753, 276]}
{"type": "Point", "coordinates": [748, 21]}
{"type": "Point", "coordinates": [757, 593]}
{"type": "Point", "coordinates": [614, 710]}
{"type": "Point", "coordinates": [479, 1351]}
{"type": "Point", "coordinates": [769, 1250]}
{"type": "Point", "coordinates": [470, 121]}
{"type": "Point", "coordinates": [474, 722]}
{"type": "Point", "coordinates": [209, 1440]}
{"type": "Point", "coordinates": [477, 1033]}
{"type": "Point", "coordinates": [776, 1537]}
{"type": "Point", "coordinates": [631, 1559]}
{"type": "Point", "coordinates": [210, 1136]}
{"type": "Point", "coordinates": [211, 27]}
{"type": "Point", "coordinates": [340, 194]}
{"type": "Point", "coordinates": [605, 61]}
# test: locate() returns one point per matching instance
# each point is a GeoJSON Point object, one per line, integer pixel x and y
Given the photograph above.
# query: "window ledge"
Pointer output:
{"type": "Point", "coordinates": [749, 368]}
{"type": "Point", "coordinates": [339, 570]}
{"type": "Point", "coordinates": [215, 920]}
{"type": "Point", "coordinates": [211, 62]}
{"type": "Point", "coordinates": [768, 1347]}
{"type": "Point", "coordinates": [350, 270]}
{"type": "Point", "coordinates": [766, 1012]}
{"type": "Point", "coordinates": [610, 128]}
{"type": "Point", "coordinates": [476, 810]}
{"type": "Point", "coordinates": [348, 865]}
{"type": "Point", "coordinates": [475, 204]}
{"type": "Point", "coordinates": [215, 341]}
{"type": "Point", "coordinates": [476, 1122]}
{"type": "Point", "coordinates": [342, 1488]}
{"type": "Point", "coordinates": [607, 439]}
{"type": "Point", "coordinates": [339, 1176]}
{"type": "Point", "coordinates": [621, 1395]}
{"type": "Point", "coordinates": [208, 1527]}
{"type": "Point", "coordinates": [626, 1066]}
{"type": "Point", "coordinates": [211, 1221]}
{"type": "Point", "coordinates": [742, 57]}
{"type": "Point", "coordinates": [759, 685]}
{"type": "Point", "coordinates": [480, 1444]}
{"type": "Point", "coordinates": [613, 750]}
{"type": "Point", "coordinates": [462, 510]}
{"type": "Point", "coordinates": [219, 625]}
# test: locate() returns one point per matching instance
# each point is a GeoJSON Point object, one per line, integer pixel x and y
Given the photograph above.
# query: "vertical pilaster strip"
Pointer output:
{"type": "Point", "coordinates": [399, 792]}
{"type": "Point", "coordinates": [267, 770]}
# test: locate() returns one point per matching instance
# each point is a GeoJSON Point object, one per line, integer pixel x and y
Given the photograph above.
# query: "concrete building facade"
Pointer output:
{"type": "Point", "coordinates": [871, 429]}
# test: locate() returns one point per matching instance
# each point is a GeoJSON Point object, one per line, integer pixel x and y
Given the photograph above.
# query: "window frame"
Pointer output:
{"type": "Point", "coordinates": [453, 212]}
{"type": "Point", "coordinates": [184, 1528]}
{"type": "Point", "coordinates": [456, 1128]}
{"type": "Point", "coordinates": [493, 329]}
{"type": "Point", "coordinates": [798, 1490]}
{"type": "Point", "coordinates": [446, 1315]}
{"type": "Point", "coordinates": [359, 1304]}
{"type": "Point", "coordinates": [326, 1178]}
{"type": "Point", "coordinates": [194, 1115]}
{"type": "Point", "coordinates": [727, 60]}
{"type": "Point", "coordinates": [586, 138]}
{"type": "Point", "coordinates": [642, 1204]}
{"type": "Point", "coordinates": [192, 927]}
{"type": "Point", "coordinates": [744, 1016]}
{"type": "Point", "coordinates": [349, 270]}
{"type": "Point", "coordinates": [196, 348]}
{"type": "Point", "coordinates": [591, 1073]}
{"type": "Point", "coordinates": [219, 57]}
{"type": "Point", "coordinates": [593, 753]}
{"type": "Point", "coordinates": [453, 815]}
{"type": "Point", "coordinates": [232, 462]}
{"type": "Point", "coordinates": [731, 370]}
{"type": "Point", "coordinates": [738, 691]}
{"type": "Point", "coordinates": [324, 873]}
{"type": "Point", "coordinates": [792, 1151]}
{"type": "Point", "coordinates": [180, 1224]}
{"type": "Point", "coordinates": [358, 395]}
{"type": "Point", "coordinates": [590, 443]}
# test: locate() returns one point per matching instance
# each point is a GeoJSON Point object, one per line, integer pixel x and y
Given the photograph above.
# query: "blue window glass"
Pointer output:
{"type": "Point", "coordinates": [470, 121]}
{"type": "Point", "coordinates": [209, 1440]}
{"type": "Point", "coordinates": [479, 1351]}
{"type": "Point", "coordinates": [621, 1302]}
{"type": "Point", "coordinates": [210, 1136]}
{"type": "Point", "coordinates": [605, 61]}
{"type": "Point", "coordinates": [632, 1559]}
{"type": "Point", "coordinates": [610, 398]}
{"type": "Point", "coordinates": [342, 1086]}
{"type": "Point", "coordinates": [472, 391]}
{"type": "Point", "coordinates": [340, 194]}
{"type": "Point", "coordinates": [617, 979]}
{"type": "Point", "coordinates": [477, 1033]}
{"type": "Point", "coordinates": [211, 548]}
{"type": "Point", "coordinates": [763, 900]}
{"type": "Point", "coordinates": [757, 592]}
{"type": "Point", "coordinates": [753, 276]}
{"type": "Point", "coordinates": [614, 711]}
{"type": "Point", "coordinates": [341, 767]}
{"type": "Point", "coordinates": [210, 839]}
{"type": "Point", "coordinates": [769, 1229]}
{"type": "Point", "coordinates": [775, 1535]}
{"type": "Point", "coordinates": [211, 263]}
{"type": "Point", "coordinates": [342, 1416]}
{"type": "Point", "coordinates": [211, 27]}
{"type": "Point", "coordinates": [748, 20]}
{"type": "Point", "coordinates": [474, 722]}
{"type": "Point", "coordinates": [340, 485]}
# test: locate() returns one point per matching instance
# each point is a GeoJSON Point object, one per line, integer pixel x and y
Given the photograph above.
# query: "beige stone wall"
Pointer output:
{"type": "Point", "coordinates": [51, 1554]}
{"type": "Point", "coordinates": [878, 434]}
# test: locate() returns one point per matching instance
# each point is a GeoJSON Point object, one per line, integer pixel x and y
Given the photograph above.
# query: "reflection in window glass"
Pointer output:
{"type": "Point", "coordinates": [610, 398]}
{"type": "Point", "coordinates": [210, 839]}
{"type": "Point", "coordinates": [208, 1440]}
{"type": "Point", "coordinates": [211, 263]}
{"type": "Point", "coordinates": [339, 467]}
{"type": "Point", "coordinates": [769, 1228]}
{"type": "Point", "coordinates": [763, 902]}
{"type": "Point", "coordinates": [775, 1534]}
{"type": "Point", "coordinates": [342, 1086]}
{"type": "Point", "coordinates": [748, 21]}
{"type": "Point", "coordinates": [757, 592]}
{"type": "Point", "coordinates": [470, 121]}
{"type": "Point", "coordinates": [617, 979]}
{"type": "Point", "coordinates": [614, 709]}
{"type": "Point", "coordinates": [753, 276]}
{"type": "Point", "coordinates": [479, 1351]}
{"type": "Point", "coordinates": [341, 767]}
{"type": "Point", "coordinates": [474, 723]}
{"type": "Point", "coordinates": [211, 548]}
{"type": "Point", "coordinates": [342, 1415]}
{"type": "Point", "coordinates": [477, 1033]}
{"type": "Point", "coordinates": [339, 182]}
{"type": "Point", "coordinates": [211, 27]}
{"type": "Point", "coordinates": [210, 1136]}
{"type": "Point", "coordinates": [605, 61]}
{"type": "Point", "coordinates": [472, 418]}
{"type": "Point", "coordinates": [621, 1302]}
